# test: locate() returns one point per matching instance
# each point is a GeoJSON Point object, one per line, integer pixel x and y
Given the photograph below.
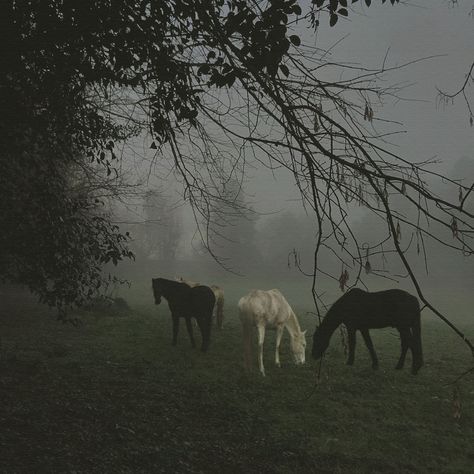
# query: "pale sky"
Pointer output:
{"type": "Point", "coordinates": [407, 32]}
{"type": "Point", "coordinates": [404, 33]}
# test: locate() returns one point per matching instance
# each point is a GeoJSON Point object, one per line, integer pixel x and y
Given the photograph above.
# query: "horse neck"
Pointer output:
{"type": "Point", "coordinates": [167, 287]}
{"type": "Point", "coordinates": [292, 325]}
{"type": "Point", "coordinates": [330, 323]}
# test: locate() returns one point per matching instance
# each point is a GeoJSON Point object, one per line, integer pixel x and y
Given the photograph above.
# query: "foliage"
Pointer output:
{"type": "Point", "coordinates": [54, 241]}
{"type": "Point", "coordinates": [56, 232]}
{"type": "Point", "coordinates": [335, 9]}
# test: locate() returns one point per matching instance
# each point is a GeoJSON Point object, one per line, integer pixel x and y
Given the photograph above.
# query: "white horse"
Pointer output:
{"type": "Point", "coordinates": [219, 295]}
{"type": "Point", "coordinates": [269, 309]}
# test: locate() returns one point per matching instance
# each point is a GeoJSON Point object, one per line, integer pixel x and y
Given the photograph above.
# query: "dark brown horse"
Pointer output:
{"type": "Point", "coordinates": [360, 310]}
{"type": "Point", "coordinates": [186, 302]}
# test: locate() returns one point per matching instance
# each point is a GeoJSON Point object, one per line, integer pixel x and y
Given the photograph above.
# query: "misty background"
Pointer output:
{"type": "Point", "coordinates": [271, 242]}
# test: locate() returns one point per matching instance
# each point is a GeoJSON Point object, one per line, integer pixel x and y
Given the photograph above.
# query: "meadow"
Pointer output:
{"type": "Point", "coordinates": [113, 395]}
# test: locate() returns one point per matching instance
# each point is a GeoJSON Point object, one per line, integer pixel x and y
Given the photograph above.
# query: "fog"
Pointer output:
{"type": "Point", "coordinates": [434, 46]}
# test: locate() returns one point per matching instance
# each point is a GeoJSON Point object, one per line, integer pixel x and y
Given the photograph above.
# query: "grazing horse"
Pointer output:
{"type": "Point", "coordinates": [186, 302]}
{"type": "Point", "coordinates": [360, 310]}
{"type": "Point", "coordinates": [269, 309]}
{"type": "Point", "coordinates": [218, 293]}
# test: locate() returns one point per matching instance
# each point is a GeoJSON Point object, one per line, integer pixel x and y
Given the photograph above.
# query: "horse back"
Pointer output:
{"type": "Point", "coordinates": [266, 308]}
{"type": "Point", "coordinates": [396, 308]}
{"type": "Point", "coordinates": [202, 298]}
{"type": "Point", "coordinates": [192, 301]}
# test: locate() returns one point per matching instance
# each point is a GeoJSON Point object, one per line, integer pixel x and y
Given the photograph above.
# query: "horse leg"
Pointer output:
{"type": "Point", "coordinates": [189, 326]}
{"type": "Point", "coordinates": [370, 347]}
{"type": "Point", "coordinates": [405, 341]}
{"type": "Point", "coordinates": [175, 329]}
{"type": "Point", "coordinates": [261, 337]}
{"type": "Point", "coordinates": [220, 313]}
{"type": "Point", "coordinates": [206, 339]}
{"type": "Point", "coordinates": [204, 323]}
{"type": "Point", "coordinates": [351, 336]}
{"type": "Point", "coordinates": [247, 340]}
{"type": "Point", "coordinates": [278, 340]}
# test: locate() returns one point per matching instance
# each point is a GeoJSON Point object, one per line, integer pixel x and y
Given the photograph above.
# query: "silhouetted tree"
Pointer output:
{"type": "Point", "coordinates": [231, 234]}
{"type": "Point", "coordinates": [162, 227]}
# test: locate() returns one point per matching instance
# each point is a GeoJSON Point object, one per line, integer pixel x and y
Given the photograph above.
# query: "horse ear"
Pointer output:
{"type": "Point", "coordinates": [304, 332]}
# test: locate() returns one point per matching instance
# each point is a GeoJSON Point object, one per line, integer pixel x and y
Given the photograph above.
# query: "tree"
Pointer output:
{"type": "Point", "coordinates": [231, 233]}
{"type": "Point", "coordinates": [56, 231]}
{"type": "Point", "coordinates": [162, 228]}
{"type": "Point", "coordinates": [192, 73]}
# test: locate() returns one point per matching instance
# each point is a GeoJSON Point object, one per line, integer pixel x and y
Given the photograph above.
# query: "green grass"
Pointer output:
{"type": "Point", "coordinates": [113, 395]}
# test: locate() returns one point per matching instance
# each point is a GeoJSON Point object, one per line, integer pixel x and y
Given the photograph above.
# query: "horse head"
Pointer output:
{"type": "Point", "coordinates": [156, 290]}
{"type": "Point", "coordinates": [298, 346]}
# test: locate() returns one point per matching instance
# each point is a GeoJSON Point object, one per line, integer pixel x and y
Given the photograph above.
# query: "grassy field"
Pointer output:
{"type": "Point", "coordinates": [112, 395]}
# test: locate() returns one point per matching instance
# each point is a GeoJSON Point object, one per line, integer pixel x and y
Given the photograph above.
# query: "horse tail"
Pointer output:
{"type": "Point", "coordinates": [417, 349]}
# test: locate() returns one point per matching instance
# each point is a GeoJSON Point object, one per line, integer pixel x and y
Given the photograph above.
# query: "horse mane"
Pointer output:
{"type": "Point", "coordinates": [333, 317]}
{"type": "Point", "coordinates": [190, 283]}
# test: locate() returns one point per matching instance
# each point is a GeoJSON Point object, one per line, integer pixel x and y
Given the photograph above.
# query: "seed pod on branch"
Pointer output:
{"type": "Point", "coordinates": [399, 232]}
{"type": "Point", "coordinates": [343, 279]}
{"type": "Point", "coordinates": [454, 227]}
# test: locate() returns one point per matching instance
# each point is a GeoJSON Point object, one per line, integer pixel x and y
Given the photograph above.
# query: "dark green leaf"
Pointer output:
{"type": "Point", "coordinates": [295, 40]}
{"type": "Point", "coordinates": [284, 69]}
{"type": "Point", "coordinates": [297, 10]}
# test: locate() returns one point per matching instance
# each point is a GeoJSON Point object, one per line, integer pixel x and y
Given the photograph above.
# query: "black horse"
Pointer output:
{"type": "Point", "coordinates": [186, 302]}
{"type": "Point", "coordinates": [360, 310]}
